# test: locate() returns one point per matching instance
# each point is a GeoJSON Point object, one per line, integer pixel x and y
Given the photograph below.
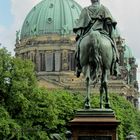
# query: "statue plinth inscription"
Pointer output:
{"type": "Point", "coordinates": [94, 124]}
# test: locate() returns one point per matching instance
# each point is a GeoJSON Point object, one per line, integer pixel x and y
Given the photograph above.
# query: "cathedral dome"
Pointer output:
{"type": "Point", "coordinates": [51, 17]}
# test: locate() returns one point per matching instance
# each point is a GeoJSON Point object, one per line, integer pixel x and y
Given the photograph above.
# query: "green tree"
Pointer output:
{"type": "Point", "coordinates": [9, 129]}
{"type": "Point", "coordinates": [17, 81]}
{"type": "Point", "coordinates": [127, 114]}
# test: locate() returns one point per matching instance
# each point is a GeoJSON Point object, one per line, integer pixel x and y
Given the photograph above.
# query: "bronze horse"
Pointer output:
{"type": "Point", "coordinates": [96, 54]}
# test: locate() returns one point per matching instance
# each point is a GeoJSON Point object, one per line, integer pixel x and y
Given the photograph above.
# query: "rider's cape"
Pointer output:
{"type": "Point", "coordinates": [96, 15]}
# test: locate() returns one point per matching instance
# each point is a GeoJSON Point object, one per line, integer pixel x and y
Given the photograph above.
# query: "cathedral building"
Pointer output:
{"type": "Point", "coordinates": [47, 39]}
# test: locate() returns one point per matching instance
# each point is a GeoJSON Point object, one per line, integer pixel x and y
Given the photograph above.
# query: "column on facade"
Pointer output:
{"type": "Point", "coordinates": [71, 60]}
{"type": "Point", "coordinates": [37, 60]}
{"type": "Point", "coordinates": [65, 60]}
{"type": "Point", "coordinates": [42, 61]}
{"type": "Point", "coordinates": [57, 61]}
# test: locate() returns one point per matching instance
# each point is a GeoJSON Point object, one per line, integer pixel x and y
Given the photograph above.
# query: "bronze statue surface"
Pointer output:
{"type": "Point", "coordinates": [96, 49]}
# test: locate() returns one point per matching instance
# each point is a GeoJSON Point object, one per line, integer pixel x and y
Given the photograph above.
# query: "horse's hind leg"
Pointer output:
{"type": "Point", "coordinates": [106, 96]}
{"type": "Point", "coordinates": [87, 100]}
{"type": "Point", "coordinates": [102, 90]}
{"type": "Point", "coordinates": [106, 90]}
{"type": "Point", "coordinates": [101, 94]}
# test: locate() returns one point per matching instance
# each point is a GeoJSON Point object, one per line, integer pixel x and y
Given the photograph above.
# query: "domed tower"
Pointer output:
{"type": "Point", "coordinates": [47, 39]}
{"type": "Point", "coordinates": [126, 83]}
{"type": "Point", "coordinates": [130, 65]}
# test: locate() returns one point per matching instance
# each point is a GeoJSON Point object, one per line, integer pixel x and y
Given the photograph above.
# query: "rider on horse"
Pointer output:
{"type": "Point", "coordinates": [98, 18]}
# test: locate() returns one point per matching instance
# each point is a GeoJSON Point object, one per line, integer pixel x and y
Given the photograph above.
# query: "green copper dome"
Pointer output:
{"type": "Point", "coordinates": [51, 16]}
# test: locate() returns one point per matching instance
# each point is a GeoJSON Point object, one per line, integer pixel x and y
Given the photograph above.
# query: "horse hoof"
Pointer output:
{"type": "Point", "coordinates": [107, 106]}
{"type": "Point", "coordinates": [87, 106]}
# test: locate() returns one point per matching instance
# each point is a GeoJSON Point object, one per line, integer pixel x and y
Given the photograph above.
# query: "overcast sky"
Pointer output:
{"type": "Point", "coordinates": [126, 12]}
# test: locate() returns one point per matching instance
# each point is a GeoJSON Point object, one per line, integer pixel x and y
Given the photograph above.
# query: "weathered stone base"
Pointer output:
{"type": "Point", "coordinates": [99, 124]}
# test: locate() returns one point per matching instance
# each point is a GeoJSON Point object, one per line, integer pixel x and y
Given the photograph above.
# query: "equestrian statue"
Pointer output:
{"type": "Point", "coordinates": [95, 48]}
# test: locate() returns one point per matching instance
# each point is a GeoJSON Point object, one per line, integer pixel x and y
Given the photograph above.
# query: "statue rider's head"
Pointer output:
{"type": "Point", "coordinates": [95, 1]}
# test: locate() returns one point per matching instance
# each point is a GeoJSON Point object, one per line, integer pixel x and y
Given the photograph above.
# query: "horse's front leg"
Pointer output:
{"type": "Point", "coordinates": [87, 100]}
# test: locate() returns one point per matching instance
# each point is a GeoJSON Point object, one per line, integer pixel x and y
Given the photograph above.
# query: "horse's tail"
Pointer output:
{"type": "Point", "coordinates": [94, 54]}
{"type": "Point", "coordinates": [95, 38]}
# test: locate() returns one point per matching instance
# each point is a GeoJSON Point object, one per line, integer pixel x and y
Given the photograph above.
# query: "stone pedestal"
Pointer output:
{"type": "Point", "coordinates": [94, 124]}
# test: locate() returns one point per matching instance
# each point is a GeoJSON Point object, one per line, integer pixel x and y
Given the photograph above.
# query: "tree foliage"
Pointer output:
{"type": "Point", "coordinates": [127, 114]}
{"type": "Point", "coordinates": [8, 126]}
